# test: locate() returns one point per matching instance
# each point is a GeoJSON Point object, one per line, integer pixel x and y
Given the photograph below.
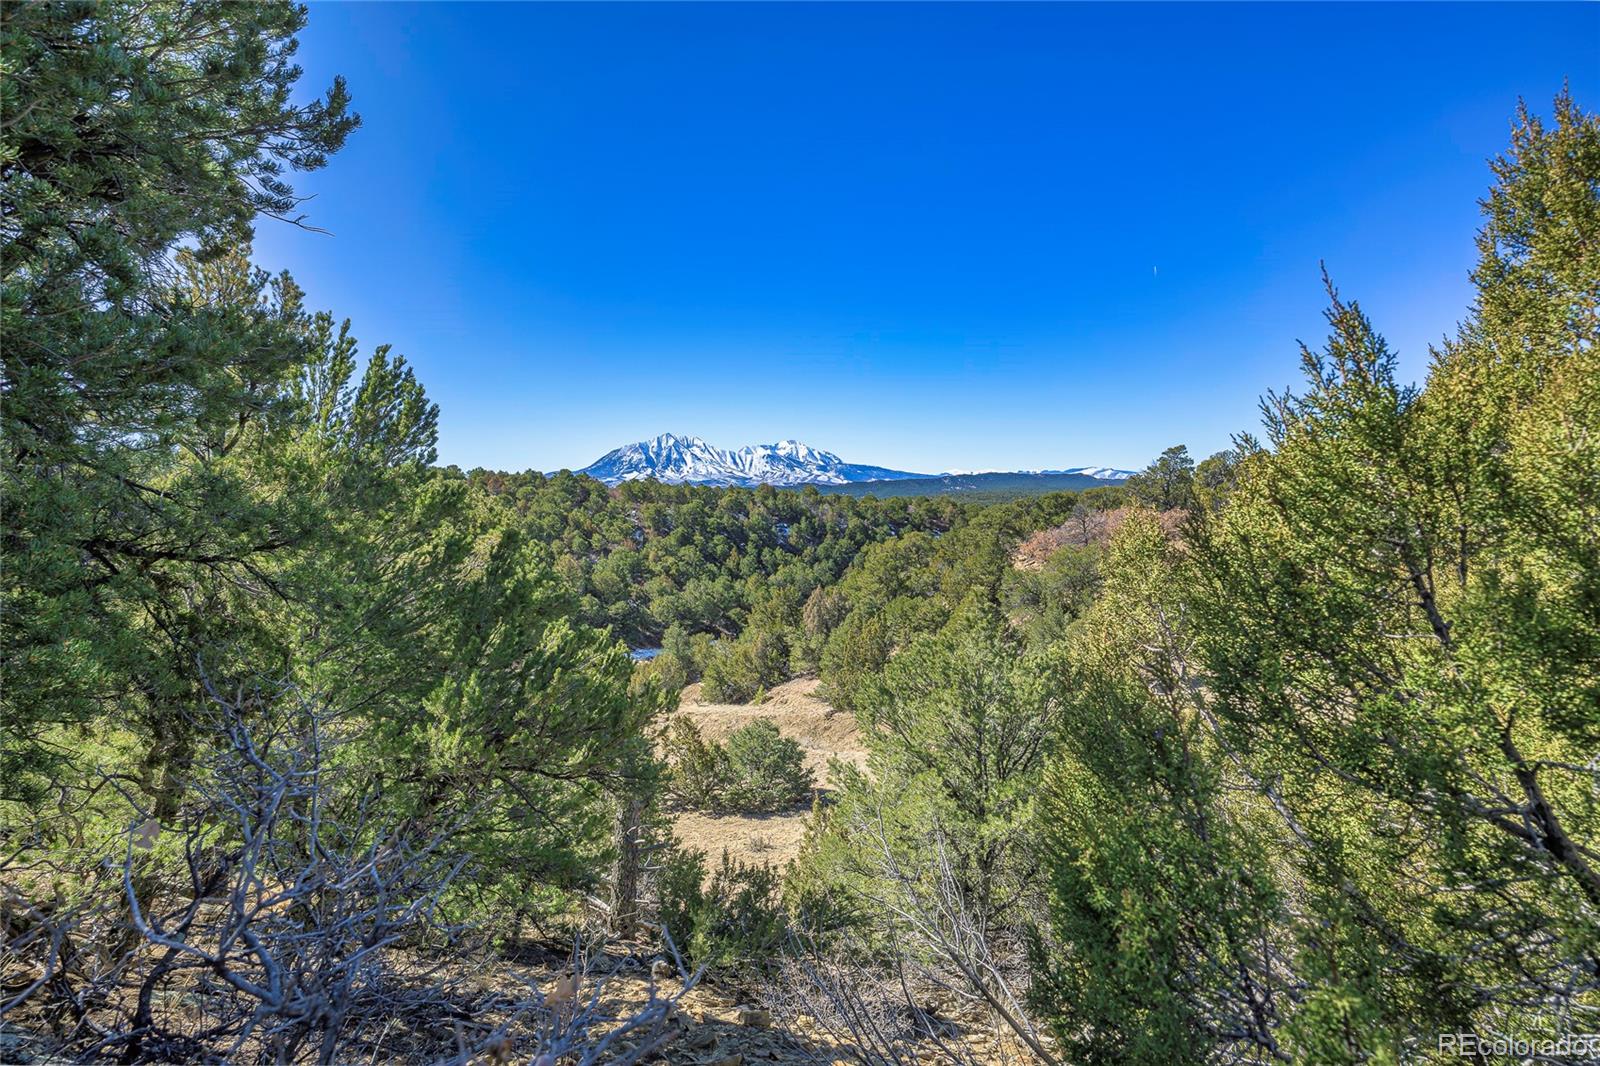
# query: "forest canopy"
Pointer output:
{"type": "Point", "coordinates": [1288, 754]}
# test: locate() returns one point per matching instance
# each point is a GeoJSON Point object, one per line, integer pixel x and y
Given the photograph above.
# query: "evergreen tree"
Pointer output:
{"type": "Point", "coordinates": [1164, 914]}
{"type": "Point", "coordinates": [1327, 786]}
{"type": "Point", "coordinates": [131, 128]}
{"type": "Point", "coordinates": [958, 724]}
{"type": "Point", "coordinates": [1167, 483]}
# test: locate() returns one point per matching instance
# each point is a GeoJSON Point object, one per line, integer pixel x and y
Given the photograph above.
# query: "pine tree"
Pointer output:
{"type": "Point", "coordinates": [129, 129]}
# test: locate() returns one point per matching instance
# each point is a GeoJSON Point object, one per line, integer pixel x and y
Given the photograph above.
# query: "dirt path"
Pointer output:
{"type": "Point", "coordinates": [824, 733]}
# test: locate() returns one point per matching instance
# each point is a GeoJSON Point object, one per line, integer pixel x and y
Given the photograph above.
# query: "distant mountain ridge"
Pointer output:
{"type": "Point", "coordinates": [992, 486]}
{"type": "Point", "coordinates": [681, 460]}
{"type": "Point", "coordinates": [686, 460]}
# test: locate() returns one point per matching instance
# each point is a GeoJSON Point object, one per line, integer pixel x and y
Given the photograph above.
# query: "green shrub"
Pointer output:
{"type": "Point", "coordinates": [758, 771]}
{"type": "Point", "coordinates": [681, 897]}
{"type": "Point", "coordinates": [734, 924]}
{"type": "Point", "coordinates": [767, 771]}
{"type": "Point", "coordinates": [668, 670]}
{"type": "Point", "coordinates": [677, 643]}
{"type": "Point", "coordinates": [737, 670]}
{"type": "Point", "coordinates": [729, 674]}
{"type": "Point", "coordinates": [768, 653]}
{"type": "Point", "coordinates": [697, 770]}
{"type": "Point", "coordinates": [702, 649]}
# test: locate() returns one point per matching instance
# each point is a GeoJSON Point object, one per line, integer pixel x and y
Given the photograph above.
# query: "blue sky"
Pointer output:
{"type": "Point", "coordinates": [927, 237]}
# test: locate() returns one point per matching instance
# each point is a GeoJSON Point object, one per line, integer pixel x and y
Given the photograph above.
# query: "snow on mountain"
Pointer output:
{"type": "Point", "coordinates": [690, 460]}
{"type": "Point", "coordinates": [1104, 473]}
{"type": "Point", "coordinates": [1101, 473]}
{"type": "Point", "coordinates": [676, 460]}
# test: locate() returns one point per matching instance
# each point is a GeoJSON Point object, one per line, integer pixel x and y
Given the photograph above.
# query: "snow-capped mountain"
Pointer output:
{"type": "Point", "coordinates": [1099, 473]}
{"type": "Point", "coordinates": [690, 460]}
{"type": "Point", "coordinates": [679, 460]}
{"type": "Point", "coordinates": [1104, 473]}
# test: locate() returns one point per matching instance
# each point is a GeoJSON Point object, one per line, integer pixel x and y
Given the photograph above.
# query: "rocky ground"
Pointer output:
{"type": "Point", "coordinates": [720, 1026]}
{"type": "Point", "coordinates": [714, 1024]}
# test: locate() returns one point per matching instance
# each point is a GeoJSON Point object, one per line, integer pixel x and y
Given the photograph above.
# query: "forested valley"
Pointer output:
{"type": "Point", "coordinates": [315, 750]}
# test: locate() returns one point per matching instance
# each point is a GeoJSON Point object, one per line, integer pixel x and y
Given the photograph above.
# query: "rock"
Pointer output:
{"type": "Point", "coordinates": [755, 1018]}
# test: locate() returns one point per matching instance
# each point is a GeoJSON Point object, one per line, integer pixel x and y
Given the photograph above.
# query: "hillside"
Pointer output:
{"type": "Point", "coordinates": [1092, 528]}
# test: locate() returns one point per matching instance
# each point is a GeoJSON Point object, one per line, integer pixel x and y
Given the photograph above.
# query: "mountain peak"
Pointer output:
{"type": "Point", "coordinates": [666, 441]}
{"type": "Point", "coordinates": [684, 459]}
{"type": "Point", "coordinates": [679, 459]}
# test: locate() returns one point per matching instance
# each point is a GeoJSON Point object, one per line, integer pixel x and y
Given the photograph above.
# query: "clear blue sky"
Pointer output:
{"type": "Point", "coordinates": [928, 237]}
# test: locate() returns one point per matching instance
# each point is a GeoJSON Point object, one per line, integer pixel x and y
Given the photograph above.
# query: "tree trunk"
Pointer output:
{"type": "Point", "coordinates": [630, 853]}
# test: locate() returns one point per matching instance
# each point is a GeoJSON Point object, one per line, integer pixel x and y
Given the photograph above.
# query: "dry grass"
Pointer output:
{"type": "Point", "coordinates": [824, 733]}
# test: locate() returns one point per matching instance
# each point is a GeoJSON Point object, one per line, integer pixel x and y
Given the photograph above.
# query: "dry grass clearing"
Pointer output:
{"type": "Point", "coordinates": [824, 733]}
